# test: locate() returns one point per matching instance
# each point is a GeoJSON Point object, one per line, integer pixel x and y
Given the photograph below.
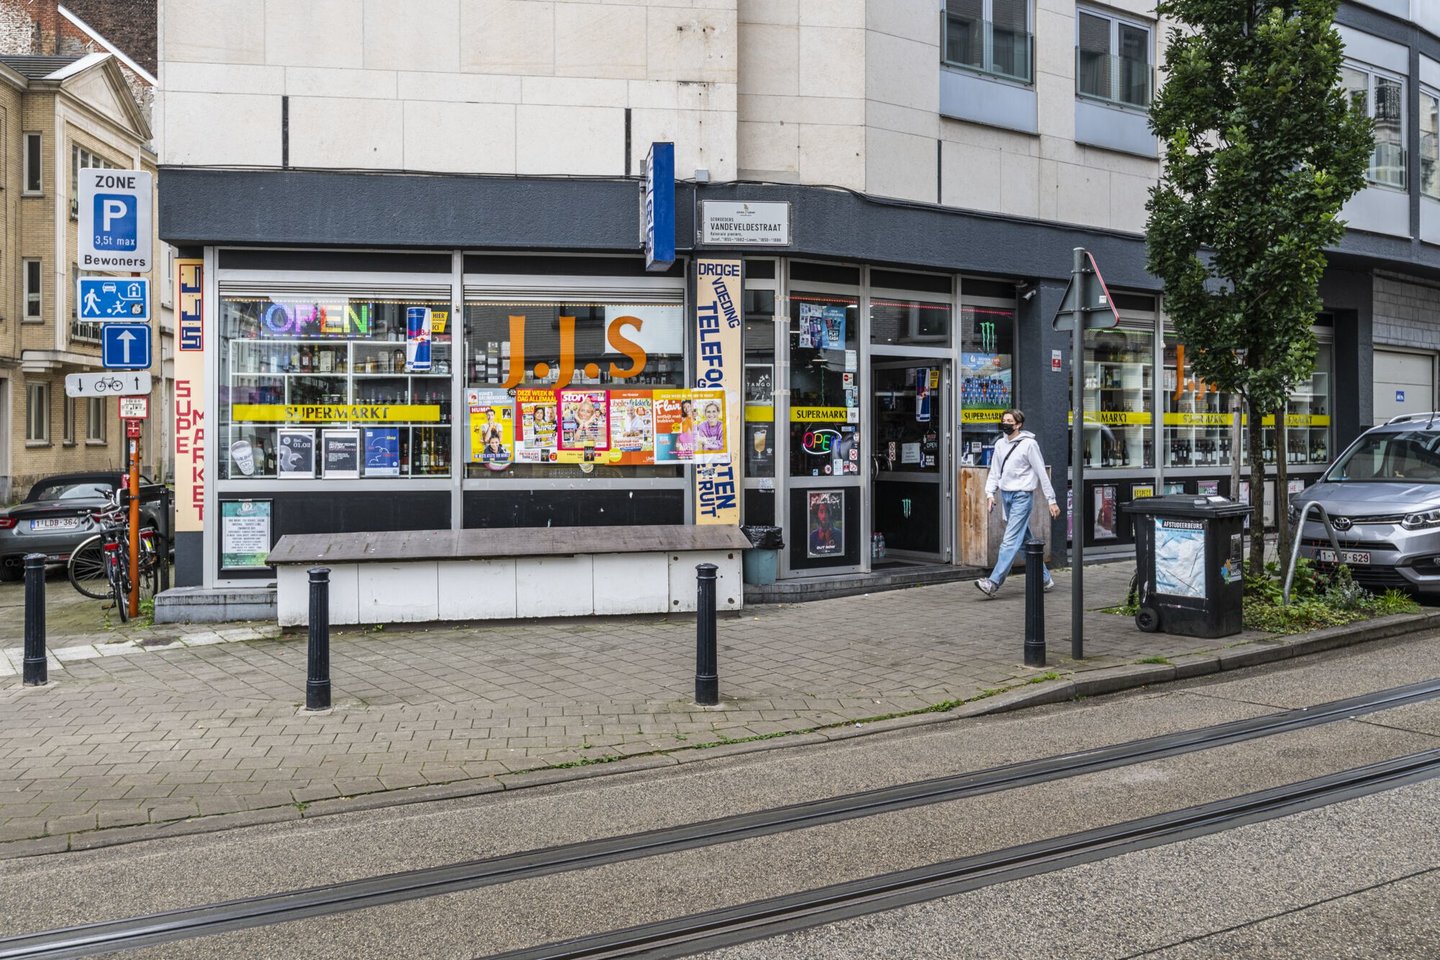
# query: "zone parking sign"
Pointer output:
{"type": "Point", "coordinates": [114, 219]}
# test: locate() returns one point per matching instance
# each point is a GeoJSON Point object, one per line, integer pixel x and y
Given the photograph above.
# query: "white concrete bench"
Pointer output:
{"type": "Point", "coordinates": [503, 574]}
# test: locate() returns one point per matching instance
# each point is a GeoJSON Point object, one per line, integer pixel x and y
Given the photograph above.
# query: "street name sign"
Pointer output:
{"type": "Point", "coordinates": [125, 346]}
{"type": "Point", "coordinates": [130, 383]}
{"type": "Point", "coordinates": [114, 213]}
{"type": "Point", "coordinates": [113, 298]}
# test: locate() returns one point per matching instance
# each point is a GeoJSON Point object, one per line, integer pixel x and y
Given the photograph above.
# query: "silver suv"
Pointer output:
{"type": "Point", "coordinates": [1383, 498]}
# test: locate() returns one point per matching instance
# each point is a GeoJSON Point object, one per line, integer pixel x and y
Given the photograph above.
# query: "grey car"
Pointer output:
{"type": "Point", "coordinates": [57, 516]}
{"type": "Point", "coordinates": [1383, 498]}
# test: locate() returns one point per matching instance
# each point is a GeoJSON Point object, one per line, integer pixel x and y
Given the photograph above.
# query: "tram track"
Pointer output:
{"type": "Point", "coordinates": [268, 909]}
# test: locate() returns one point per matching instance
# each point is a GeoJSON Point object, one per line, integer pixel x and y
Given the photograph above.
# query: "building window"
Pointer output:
{"type": "Point", "coordinates": [32, 163]}
{"type": "Point", "coordinates": [1430, 143]}
{"type": "Point", "coordinates": [79, 159]}
{"type": "Point", "coordinates": [67, 427]}
{"type": "Point", "coordinates": [33, 304]}
{"type": "Point", "coordinates": [991, 36]}
{"type": "Point", "coordinates": [37, 412]}
{"type": "Point", "coordinates": [1112, 60]}
{"type": "Point", "coordinates": [96, 418]}
{"type": "Point", "coordinates": [1382, 98]}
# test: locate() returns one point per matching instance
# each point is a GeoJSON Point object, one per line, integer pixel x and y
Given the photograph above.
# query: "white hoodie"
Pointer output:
{"type": "Point", "coordinates": [1016, 464]}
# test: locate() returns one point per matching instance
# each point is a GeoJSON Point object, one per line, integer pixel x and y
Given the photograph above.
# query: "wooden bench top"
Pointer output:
{"type": "Point", "coordinates": [501, 542]}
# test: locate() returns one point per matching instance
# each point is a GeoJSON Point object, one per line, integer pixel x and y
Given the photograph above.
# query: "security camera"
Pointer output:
{"type": "Point", "coordinates": [1028, 294]}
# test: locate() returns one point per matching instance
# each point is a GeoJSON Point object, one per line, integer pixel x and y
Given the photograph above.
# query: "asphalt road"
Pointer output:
{"type": "Point", "coordinates": [1355, 879]}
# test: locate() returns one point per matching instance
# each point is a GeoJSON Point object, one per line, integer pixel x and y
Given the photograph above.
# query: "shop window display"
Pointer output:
{"type": "Point", "coordinates": [1119, 386]}
{"type": "Point", "coordinates": [987, 381]}
{"type": "Point", "coordinates": [825, 385]}
{"type": "Point", "coordinates": [333, 365]}
{"type": "Point", "coordinates": [559, 389]}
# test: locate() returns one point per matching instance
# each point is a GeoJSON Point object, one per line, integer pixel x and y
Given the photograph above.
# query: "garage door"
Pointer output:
{"type": "Point", "coordinates": [1404, 383]}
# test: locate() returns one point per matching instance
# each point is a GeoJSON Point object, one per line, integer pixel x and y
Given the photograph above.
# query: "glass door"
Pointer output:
{"type": "Point", "coordinates": [910, 459]}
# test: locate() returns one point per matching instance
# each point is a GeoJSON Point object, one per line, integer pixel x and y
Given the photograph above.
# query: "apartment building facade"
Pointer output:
{"type": "Point", "coordinates": [902, 184]}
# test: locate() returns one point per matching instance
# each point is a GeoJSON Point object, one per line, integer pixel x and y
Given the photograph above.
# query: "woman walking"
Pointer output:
{"type": "Point", "coordinates": [1017, 468]}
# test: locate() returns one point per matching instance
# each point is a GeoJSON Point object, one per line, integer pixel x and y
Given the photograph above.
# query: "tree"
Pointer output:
{"type": "Point", "coordinates": [1262, 149]}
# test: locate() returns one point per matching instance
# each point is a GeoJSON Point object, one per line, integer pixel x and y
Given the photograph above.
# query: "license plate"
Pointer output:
{"type": "Point", "coordinates": [1346, 556]}
{"type": "Point", "coordinates": [55, 523]}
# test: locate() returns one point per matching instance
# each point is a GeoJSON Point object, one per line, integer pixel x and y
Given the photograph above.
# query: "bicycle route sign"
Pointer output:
{"type": "Point", "coordinates": [132, 383]}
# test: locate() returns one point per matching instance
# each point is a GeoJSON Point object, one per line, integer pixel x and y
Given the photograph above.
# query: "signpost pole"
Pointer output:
{"type": "Point", "coordinates": [134, 598]}
{"type": "Point", "coordinates": [1079, 273]}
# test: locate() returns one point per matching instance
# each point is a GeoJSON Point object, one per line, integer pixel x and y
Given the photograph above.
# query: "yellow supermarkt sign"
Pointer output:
{"type": "Point", "coordinates": [981, 414]}
{"type": "Point", "coordinates": [357, 413]}
{"type": "Point", "coordinates": [1126, 418]}
{"type": "Point", "coordinates": [817, 414]}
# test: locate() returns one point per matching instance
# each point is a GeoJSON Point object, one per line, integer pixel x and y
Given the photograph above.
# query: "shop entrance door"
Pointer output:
{"type": "Point", "coordinates": [910, 459]}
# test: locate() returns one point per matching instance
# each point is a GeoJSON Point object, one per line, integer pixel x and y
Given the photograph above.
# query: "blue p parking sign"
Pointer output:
{"type": "Point", "coordinates": [115, 222]}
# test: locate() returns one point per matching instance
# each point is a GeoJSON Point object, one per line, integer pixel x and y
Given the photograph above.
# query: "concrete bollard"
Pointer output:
{"type": "Point", "coordinates": [707, 681]}
{"type": "Point", "coordinates": [317, 681]}
{"type": "Point", "coordinates": [1034, 604]}
{"type": "Point", "coordinates": [36, 672]}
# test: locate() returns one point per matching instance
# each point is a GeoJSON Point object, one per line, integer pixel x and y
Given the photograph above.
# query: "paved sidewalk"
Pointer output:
{"type": "Point", "coordinates": [141, 726]}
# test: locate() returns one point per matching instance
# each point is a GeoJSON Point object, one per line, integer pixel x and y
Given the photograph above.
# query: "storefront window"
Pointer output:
{"type": "Point", "coordinates": [1119, 385]}
{"type": "Point", "coordinates": [824, 385]}
{"type": "Point", "coordinates": [901, 321]}
{"type": "Point", "coordinates": [760, 383]}
{"type": "Point", "coordinates": [987, 380]}
{"type": "Point", "coordinates": [1307, 419]}
{"type": "Point", "coordinates": [337, 388]}
{"type": "Point", "coordinates": [1198, 417]}
{"type": "Point", "coordinates": [561, 389]}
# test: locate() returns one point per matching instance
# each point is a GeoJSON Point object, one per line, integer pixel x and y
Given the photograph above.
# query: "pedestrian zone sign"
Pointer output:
{"type": "Point", "coordinates": [113, 298]}
{"type": "Point", "coordinates": [125, 346]}
{"type": "Point", "coordinates": [114, 219]}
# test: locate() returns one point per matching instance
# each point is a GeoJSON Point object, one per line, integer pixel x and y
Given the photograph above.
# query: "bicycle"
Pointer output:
{"type": "Point", "coordinates": [100, 567]}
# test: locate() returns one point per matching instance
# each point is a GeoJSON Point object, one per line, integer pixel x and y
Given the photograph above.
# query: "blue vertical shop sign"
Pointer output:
{"type": "Point", "coordinates": [660, 207]}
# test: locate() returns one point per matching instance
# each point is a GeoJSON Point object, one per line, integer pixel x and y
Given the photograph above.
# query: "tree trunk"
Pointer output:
{"type": "Point", "coordinates": [1282, 498]}
{"type": "Point", "coordinates": [1257, 489]}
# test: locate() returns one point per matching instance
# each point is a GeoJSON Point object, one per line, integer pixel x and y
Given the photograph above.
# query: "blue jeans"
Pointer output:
{"type": "Point", "coordinates": [1017, 524]}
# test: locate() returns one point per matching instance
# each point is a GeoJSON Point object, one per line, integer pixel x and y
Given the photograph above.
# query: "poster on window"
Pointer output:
{"type": "Point", "coordinates": [382, 451]}
{"type": "Point", "coordinates": [1104, 512]}
{"type": "Point", "coordinates": [584, 421]}
{"type": "Point", "coordinates": [632, 426]}
{"type": "Point", "coordinates": [825, 523]}
{"type": "Point", "coordinates": [244, 534]}
{"type": "Point", "coordinates": [822, 327]}
{"type": "Point", "coordinates": [341, 453]}
{"type": "Point", "coordinates": [690, 426]}
{"type": "Point", "coordinates": [295, 454]}
{"type": "Point", "coordinates": [537, 431]}
{"type": "Point", "coordinates": [491, 416]}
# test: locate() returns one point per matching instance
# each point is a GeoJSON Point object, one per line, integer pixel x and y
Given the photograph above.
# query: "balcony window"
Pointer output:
{"type": "Point", "coordinates": [34, 306]}
{"type": "Point", "coordinates": [1430, 143]}
{"type": "Point", "coordinates": [1382, 98]}
{"type": "Point", "coordinates": [990, 36]}
{"type": "Point", "coordinates": [33, 168]}
{"type": "Point", "coordinates": [1112, 60]}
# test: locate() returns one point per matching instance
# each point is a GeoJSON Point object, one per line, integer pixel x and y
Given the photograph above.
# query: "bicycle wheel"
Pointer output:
{"type": "Point", "coordinates": [119, 584]}
{"type": "Point", "coordinates": [86, 569]}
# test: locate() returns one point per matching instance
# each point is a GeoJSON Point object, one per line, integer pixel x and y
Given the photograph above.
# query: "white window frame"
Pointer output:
{"type": "Point", "coordinates": [37, 413]}
{"type": "Point", "coordinates": [1115, 97]}
{"type": "Point", "coordinates": [67, 421]}
{"type": "Point", "coordinates": [33, 183]}
{"type": "Point", "coordinates": [1371, 74]}
{"type": "Point", "coordinates": [81, 158]}
{"type": "Point", "coordinates": [97, 419]}
{"type": "Point", "coordinates": [34, 308]}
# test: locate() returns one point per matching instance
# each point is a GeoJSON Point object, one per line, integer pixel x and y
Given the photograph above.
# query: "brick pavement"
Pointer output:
{"type": "Point", "coordinates": [158, 725]}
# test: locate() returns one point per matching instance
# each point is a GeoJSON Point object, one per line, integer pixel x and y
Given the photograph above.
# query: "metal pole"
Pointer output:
{"type": "Point", "coordinates": [134, 599]}
{"type": "Point", "coordinates": [707, 680]}
{"type": "Point", "coordinates": [317, 683]}
{"type": "Point", "coordinates": [35, 669]}
{"type": "Point", "coordinates": [1034, 604]}
{"type": "Point", "coordinates": [1080, 271]}
{"type": "Point", "coordinates": [166, 542]}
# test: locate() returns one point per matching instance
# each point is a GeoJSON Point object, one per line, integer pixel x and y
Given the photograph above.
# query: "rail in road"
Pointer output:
{"type": "Point", "coordinates": [708, 929]}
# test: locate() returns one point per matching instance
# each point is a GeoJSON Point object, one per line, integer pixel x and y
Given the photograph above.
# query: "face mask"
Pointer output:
{"type": "Point", "coordinates": [1007, 428]}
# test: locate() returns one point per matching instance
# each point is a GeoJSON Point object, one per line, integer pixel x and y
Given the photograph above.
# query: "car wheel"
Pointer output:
{"type": "Point", "coordinates": [11, 569]}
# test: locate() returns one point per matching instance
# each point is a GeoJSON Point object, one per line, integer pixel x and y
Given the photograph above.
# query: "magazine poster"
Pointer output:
{"type": "Point", "coordinates": [295, 451]}
{"type": "Point", "coordinates": [822, 327]}
{"type": "Point", "coordinates": [492, 427]}
{"type": "Point", "coordinates": [632, 426]}
{"type": "Point", "coordinates": [342, 454]}
{"type": "Point", "coordinates": [584, 422]}
{"type": "Point", "coordinates": [674, 426]}
{"type": "Point", "coordinates": [1105, 512]}
{"type": "Point", "coordinates": [536, 434]}
{"type": "Point", "coordinates": [382, 451]}
{"type": "Point", "coordinates": [711, 432]}
{"type": "Point", "coordinates": [825, 523]}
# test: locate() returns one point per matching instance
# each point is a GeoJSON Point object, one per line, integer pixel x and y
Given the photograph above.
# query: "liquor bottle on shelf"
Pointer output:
{"type": "Point", "coordinates": [1149, 454]}
{"type": "Point", "coordinates": [269, 449]}
{"type": "Point", "coordinates": [307, 359]}
{"type": "Point", "coordinates": [1124, 452]}
{"type": "Point", "coordinates": [1318, 453]}
{"type": "Point", "coordinates": [1106, 460]}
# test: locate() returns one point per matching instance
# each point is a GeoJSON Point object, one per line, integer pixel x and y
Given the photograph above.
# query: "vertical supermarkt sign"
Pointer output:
{"type": "Point", "coordinates": [719, 365]}
{"type": "Point", "coordinates": [189, 408]}
{"type": "Point", "coordinates": [114, 211]}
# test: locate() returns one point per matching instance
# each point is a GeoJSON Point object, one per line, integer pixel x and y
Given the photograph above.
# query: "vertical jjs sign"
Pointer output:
{"type": "Point", "coordinates": [189, 396]}
{"type": "Point", "coordinates": [719, 365]}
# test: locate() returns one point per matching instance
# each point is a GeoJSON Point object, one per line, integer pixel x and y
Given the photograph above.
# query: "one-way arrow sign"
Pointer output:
{"type": "Point", "coordinates": [1088, 296]}
{"type": "Point", "coordinates": [125, 346]}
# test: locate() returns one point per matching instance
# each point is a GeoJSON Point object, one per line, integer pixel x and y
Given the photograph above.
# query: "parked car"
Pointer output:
{"type": "Point", "coordinates": [56, 517]}
{"type": "Point", "coordinates": [1383, 498]}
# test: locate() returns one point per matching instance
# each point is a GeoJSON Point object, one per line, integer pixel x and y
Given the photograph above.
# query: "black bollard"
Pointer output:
{"type": "Point", "coordinates": [707, 681]}
{"type": "Point", "coordinates": [35, 669]}
{"type": "Point", "coordinates": [1034, 604]}
{"type": "Point", "coordinates": [317, 684]}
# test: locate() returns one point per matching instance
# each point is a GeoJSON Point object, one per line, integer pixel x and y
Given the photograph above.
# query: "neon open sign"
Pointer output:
{"type": "Point", "coordinates": [819, 443]}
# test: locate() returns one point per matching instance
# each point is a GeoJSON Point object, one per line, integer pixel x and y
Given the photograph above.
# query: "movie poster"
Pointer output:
{"type": "Point", "coordinates": [825, 523]}
{"type": "Point", "coordinates": [632, 426]}
{"type": "Point", "coordinates": [537, 437]}
{"type": "Point", "coordinates": [1105, 512]}
{"type": "Point", "coordinates": [492, 427]}
{"type": "Point", "coordinates": [584, 421]}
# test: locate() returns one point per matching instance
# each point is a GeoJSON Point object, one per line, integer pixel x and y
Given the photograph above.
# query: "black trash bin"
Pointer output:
{"type": "Point", "coordinates": [761, 562]}
{"type": "Point", "coordinates": [1187, 549]}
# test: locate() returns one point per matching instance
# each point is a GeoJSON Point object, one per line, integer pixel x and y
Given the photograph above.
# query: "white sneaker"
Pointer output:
{"type": "Point", "coordinates": [986, 586]}
{"type": "Point", "coordinates": [1049, 585]}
